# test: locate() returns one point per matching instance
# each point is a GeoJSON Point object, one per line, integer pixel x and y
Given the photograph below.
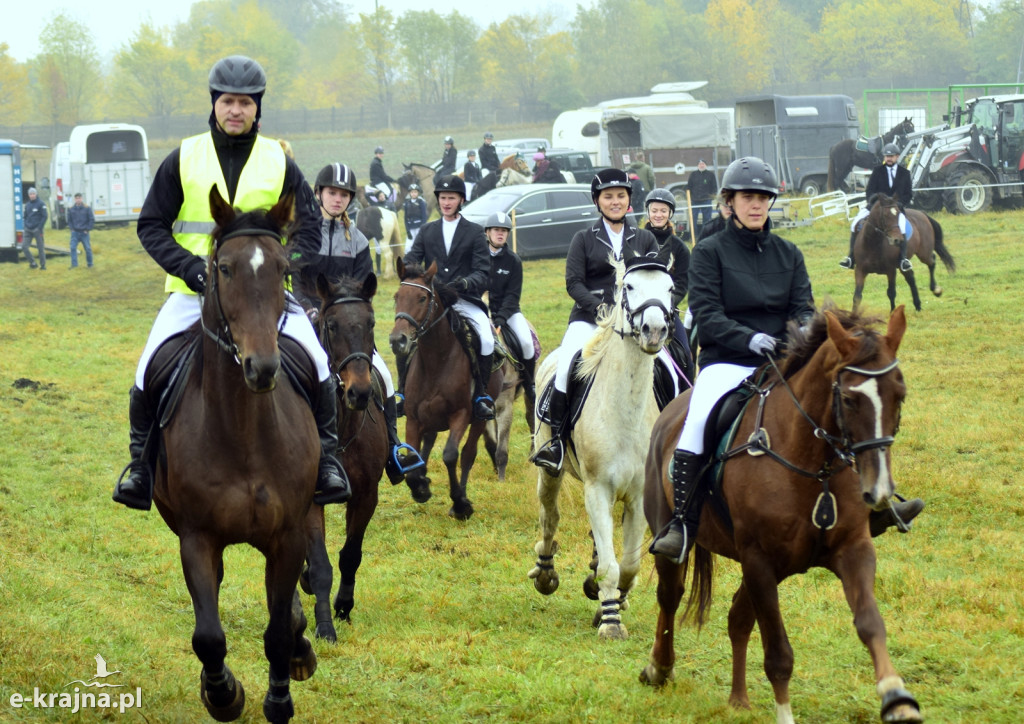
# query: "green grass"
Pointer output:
{"type": "Point", "coordinates": [447, 627]}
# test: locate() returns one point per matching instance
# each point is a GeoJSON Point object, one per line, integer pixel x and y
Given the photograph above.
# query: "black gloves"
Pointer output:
{"type": "Point", "coordinates": [461, 284]}
{"type": "Point", "coordinates": [195, 276]}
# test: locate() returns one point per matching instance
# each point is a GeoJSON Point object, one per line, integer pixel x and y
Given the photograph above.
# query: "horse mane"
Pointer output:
{"type": "Point", "coordinates": [802, 345]}
{"type": "Point", "coordinates": [608, 326]}
{"type": "Point", "coordinates": [258, 220]}
{"type": "Point", "coordinates": [345, 286]}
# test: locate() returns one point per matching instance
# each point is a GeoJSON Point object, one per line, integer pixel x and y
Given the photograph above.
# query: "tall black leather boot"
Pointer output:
{"type": "Point", "coordinates": [402, 457]}
{"type": "Point", "coordinates": [847, 263]}
{"type": "Point", "coordinates": [402, 365]}
{"type": "Point", "coordinates": [905, 264]}
{"type": "Point", "coordinates": [483, 405]}
{"type": "Point", "coordinates": [907, 510]}
{"type": "Point", "coordinates": [675, 540]}
{"type": "Point", "coordinates": [551, 454]}
{"type": "Point", "coordinates": [135, 486]}
{"type": "Point", "coordinates": [332, 485]}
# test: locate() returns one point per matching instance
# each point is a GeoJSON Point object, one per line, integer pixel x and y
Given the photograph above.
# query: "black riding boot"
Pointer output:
{"type": "Point", "coordinates": [907, 510]}
{"type": "Point", "coordinates": [332, 484]}
{"type": "Point", "coordinates": [402, 364]}
{"type": "Point", "coordinates": [402, 458]}
{"type": "Point", "coordinates": [905, 264]}
{"type": "Point", "coordinates": [551, 454]}
{"type": "Point", "coordinates": [530, 380]}
{"type": "Point", "coordinates": [376, 255]}
{"type": "Point", "coordinates": [675, 540]}
{"type": "Point", "coordinates": [135, 486]}
{"type": "Point", "coordinates": [483, 405]}
{"type": "Point", "coordinates": [847, 263]}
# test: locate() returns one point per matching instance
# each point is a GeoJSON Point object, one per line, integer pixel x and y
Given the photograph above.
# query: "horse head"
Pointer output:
{"type": "Point", "coordinates": [346, 325]}
{"type": "Point", "coordinates": [245, 299]}
{"type": "Point", "coordinates": [417, 305]}
{"type": "Point", "coordinates": [868, 392]}
{"type": "Point", "coordinates": [645, 297]}
{"type": "Point", "coordinates": [884, 218]}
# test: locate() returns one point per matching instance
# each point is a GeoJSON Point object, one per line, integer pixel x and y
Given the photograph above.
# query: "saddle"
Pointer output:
{"type": "Point", "coordinates": [575, 396]}
{"type": "Point", "coordinates": [869, 145]}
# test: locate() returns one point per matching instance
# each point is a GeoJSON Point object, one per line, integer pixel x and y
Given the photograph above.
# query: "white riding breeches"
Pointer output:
{"type": "Point", "coordinates": [385, 373]}
{"type": "Point", "coordinates": [481, 323]}
{"type": "Point", "coordinates": [521, 329]}
{"type": "Point", "coordinates": [905, 226]}
{"type": "Point", "coordinates": [711, 384]}
{"type": "Point", "coordinates": [182, 310]}
{"type": "Point", "coordinates": [576, 335]}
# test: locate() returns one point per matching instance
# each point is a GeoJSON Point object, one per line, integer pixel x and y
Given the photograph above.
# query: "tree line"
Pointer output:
{"type": "Point", "coordinates": [317, 55]}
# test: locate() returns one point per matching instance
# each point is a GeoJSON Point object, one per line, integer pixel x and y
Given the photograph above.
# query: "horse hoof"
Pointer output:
{"type": "Point", "coordinates": [462, 510]}
{"type": "Point", "coordinates": [938, 291]}
{"type": "Point", "coordinates": [303, 663]}
{"type": "Point", "coordinates": [223, 705]}
{"type": "Point", "coordinates": [590, 589]}
{"type": "Point", "coordinates": [546, 582]}
{"type": "Point", "coordinates": [656, 676]}
{"type": "Point", "coordinates": [613, 632]}
{"type": "Point", "coordinates": [325, 632]}
{"type": "Point", "coordinates": [278, 709]}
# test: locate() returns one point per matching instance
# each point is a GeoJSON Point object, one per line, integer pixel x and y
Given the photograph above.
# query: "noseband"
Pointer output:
{"type": "Point", "coordinates": [325, 333]}
{"type": "Point", "coordinates": [424, 326]}
{"type": "Point", "coordinates": [222, 336]}
{"type": "Point", "coordinates": [633, 314]}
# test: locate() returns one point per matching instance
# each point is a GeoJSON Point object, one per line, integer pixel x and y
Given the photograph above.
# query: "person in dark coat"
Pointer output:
{"type": "Point", "coordinates": [35, 215]}
{"type": "Point", "coordinates": [504, 291]}
{"type": "Point", "coordinates": [590, 281]}
{"type": "Point", "coordinates": [546, 170]}
{"type": "Point", "coordinates": [489, 160]}
{"type": "Point", "coordinates": [414, 214]}
{"type": "Point", "coordinates": [703, 186]}
{"type": "Point", "coordinates": [470, 171]}
{"type": "Point", "coordinates": [448, 160]}
{"type": "Point", "coordinates": [893, 180]}
{"type": "Point", "coordinates": [460, 249]}
{"type": "Point", "coordinates": [379, 178]}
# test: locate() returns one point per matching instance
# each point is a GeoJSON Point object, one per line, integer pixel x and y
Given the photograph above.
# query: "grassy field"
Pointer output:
{"type": "Point", "coordinates": [447, 627]}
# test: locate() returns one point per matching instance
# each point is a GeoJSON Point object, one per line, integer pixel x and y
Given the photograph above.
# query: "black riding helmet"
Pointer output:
{"type": "Point", "coordinates": [452, 184]}
{"type": "Point", "coordinates": [751, 173]}
{"type": "Point", "coordinates": [664, 196]}
{"type": "Point", "coordinates": [336, 175]}
{"type": "Point", "coordinates": [608, 178]}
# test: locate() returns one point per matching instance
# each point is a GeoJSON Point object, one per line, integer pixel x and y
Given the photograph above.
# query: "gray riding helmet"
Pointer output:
{"type": "Point", "coordinates": [498, 220]}
{"type": "Point", "coordinates": [238, 74]}
{"type": "Point", "coordinates": [664, 196]}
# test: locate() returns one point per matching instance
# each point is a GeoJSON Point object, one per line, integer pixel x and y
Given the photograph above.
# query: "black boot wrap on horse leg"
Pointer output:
{"type": "Point", "coordinates": [483, 405]}
{"type": "Point", "coordinates": [402, 458]}
{"type": "Point", "coordinates": [135, 486]}
{"type": "Point", "coordinates": [332, 484]}
{"type": "Point", "coordinates": [675, 540]}
{"type": "Point", "coordinates": [551, 454]}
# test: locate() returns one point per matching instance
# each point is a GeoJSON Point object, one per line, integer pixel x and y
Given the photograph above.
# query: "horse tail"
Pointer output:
{"type": "Point", "coordinates": [699, 602]}
{"type": "Point", "coordinates": [940, 247]}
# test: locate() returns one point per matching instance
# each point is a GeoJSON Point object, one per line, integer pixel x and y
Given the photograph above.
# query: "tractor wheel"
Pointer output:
{"type": "Point", "coordinates": [972, 194]}
{"type": "Point", "coordinates": [927, 201]}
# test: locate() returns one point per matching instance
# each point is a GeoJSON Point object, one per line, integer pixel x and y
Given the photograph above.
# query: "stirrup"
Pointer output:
{"type": "Point", "coordinates": [404, 449]}
{"type": "Point", "coordinates": [846, 263]}
{"type": "Point", "coordinates": [483, 407]}
{"type": "Point", "coordinates": [684, 547]}
{"type": "Point", "coordinates": [131, 500]}
{"type": "Point", "coordinates": [554, 447]}
{"type": "Point", "coordinates": [906, 265]}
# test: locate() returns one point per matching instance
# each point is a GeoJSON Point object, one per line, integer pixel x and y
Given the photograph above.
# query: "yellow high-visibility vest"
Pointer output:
{"type": "Point", "coordinates": [259, 187]}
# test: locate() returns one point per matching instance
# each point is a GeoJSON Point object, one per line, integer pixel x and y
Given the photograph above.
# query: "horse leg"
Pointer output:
{"type": "Point", "coordinates": [461, 508]}
{"type": "Point", "coordinates": [670, 592]}
{"type": "Point", "coordinates": [935, 289]}
{"type": "Point", "coordinates": [318, 577]}
{"type": "Point", "coordinates": [357, 520]}
{"type": "Point", "coordinates": [288, 652]}
{"type": "Point", "coordinates": [763, 592]}
{"type": "Point", "coordinates": [858, 289]}
{"type": "Point", "coordinates": [741, 624]}
{"type": "Point", "coordinates": [543, 573]}
{"type": "Point", "coordinates": [856, 569]}
{"type": "Point", "coordinates": [222, 694]}
{"type": "Point", "coordinates": [634, 526]}
{"type": "Point", "coordinates": [597, 498]}
{"type": "Point", "coordinates": [417, 480]}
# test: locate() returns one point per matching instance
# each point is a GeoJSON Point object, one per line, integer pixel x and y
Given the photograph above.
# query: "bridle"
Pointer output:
{"type": "Point", "coordinates": [422, 327]}
{"type": "Point", "coordinates": [632, 314]}
{"type": "Point", "coordinates": [222, 335]}
{"type": "Point", "coordinates": [325, 335]}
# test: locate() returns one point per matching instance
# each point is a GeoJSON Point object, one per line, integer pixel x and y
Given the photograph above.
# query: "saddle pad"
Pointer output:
{"type": "Point", "coordinates": [576, 396]}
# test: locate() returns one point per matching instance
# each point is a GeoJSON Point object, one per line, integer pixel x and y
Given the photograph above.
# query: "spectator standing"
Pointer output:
{"type": "Point", "coordinates": [35, 216]}
{"type": "Point", "coordinates": [702, 186]}
{"type": "Point", "coordinates": [489, 160]}
{"type": "Point", "coordinates": [645, 173]}
{"type": "Point", "coordinates": [80, 221]}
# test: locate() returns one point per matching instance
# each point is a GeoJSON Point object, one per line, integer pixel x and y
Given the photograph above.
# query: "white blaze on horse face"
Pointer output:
{"type": "Point", "coordinates": [643, 286]}
{"type": "Point", "coordinates": [256, 261]}
{"type": "Point", "coordinates": [869, 388]}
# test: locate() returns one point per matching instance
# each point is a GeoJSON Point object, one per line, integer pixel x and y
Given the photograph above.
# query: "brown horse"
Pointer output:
{"type": "Point", "coordinates": [345, 327]}
{"type": "Point", "coordinates": [497, 435]}
{"type": "Point", "coordinates": [240, 457]}
{"type": "Point", "coordinates": [877, 249]}
{"type": "Point", "coordinates": [422, 175]}
{"type": "Point", "coordinates": [830, 417]}
{"type": "Point", "coordinates": [439, 381]}
{"type": "Point", "coordinates": [843, 156]}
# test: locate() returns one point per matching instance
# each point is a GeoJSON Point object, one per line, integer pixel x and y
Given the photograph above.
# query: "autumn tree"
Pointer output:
{"type": "Point", "coordinates": [511, 52]}
{"type": "Point", "coordinates": [998, 43]}
{"type": "Point", "coordinates": [66, 71]}
{"type": "Point", "coordinates": [14, 94]}
{"type": "Point", "coordinates": [150, 77]}
{"type": "Point", "coordinates": [376, 32]}
{"type": "Point", "coordinates": [439, 54]}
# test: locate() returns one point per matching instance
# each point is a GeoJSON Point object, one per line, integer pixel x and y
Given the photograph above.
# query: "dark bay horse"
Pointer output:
{"type": "Point", "coordinates": [798, 496]}
{"type": "Point", "coordinates": [877, 249]}
{"type": "Point", "coordinates": [439, 382]}
{"type": "Point", "coordinates": [843, 156]}
{"type": "Point", "coordinates": [345, 326]}
{"type": "Point", "coordinates": [239, 460]}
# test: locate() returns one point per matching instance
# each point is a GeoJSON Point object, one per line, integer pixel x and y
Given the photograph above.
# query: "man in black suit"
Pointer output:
{"type": "Point", "coordinates": [893, 180]}
{"type": "Point", "coordinates": [464, 263]}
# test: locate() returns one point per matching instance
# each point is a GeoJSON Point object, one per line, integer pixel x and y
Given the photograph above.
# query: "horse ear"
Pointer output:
{"type": "Point", "coordinates": [431, 271]}
{"type": "Point", "coordinates": [843, 340]}
{"type": "Point", "coordinates": [370, 286]}
{"type": "Point", "coordinates": [220, 209]}
{"type": "Point", "coordinates": [283, 211]}
{"type": "Point", "coordinates": [897, 326]}
{"type": "Point", "coordinates": [400, 268]}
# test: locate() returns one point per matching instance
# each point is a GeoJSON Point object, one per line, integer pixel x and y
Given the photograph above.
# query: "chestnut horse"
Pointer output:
{"type": "Point", "coordinates": [512, 164]}
{"type": "Point", "coordinates": [239, 462]}
{"type": "Point", "coordinates": [439, 381]}
{"type": "Point", "coordinates": [876, 249]}
{"type": "Point", "coordinates": [345, 326]}
{"type": "Point", "coordinates": [796, 495]}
